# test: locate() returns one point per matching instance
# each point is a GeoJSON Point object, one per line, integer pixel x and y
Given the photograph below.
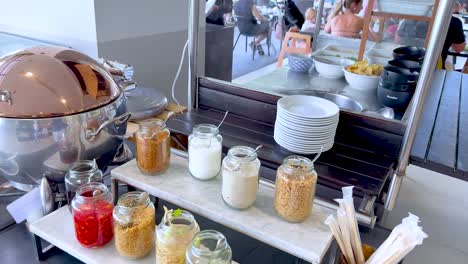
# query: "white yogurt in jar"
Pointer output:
{"type": "Point", "coordinates": [205, 158]}
{"type": "Point", "coordinates": [239, 187]}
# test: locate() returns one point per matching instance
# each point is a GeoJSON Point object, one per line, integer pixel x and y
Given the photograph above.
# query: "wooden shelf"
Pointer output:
{"type": "Point", "coordinates": [400, 16]}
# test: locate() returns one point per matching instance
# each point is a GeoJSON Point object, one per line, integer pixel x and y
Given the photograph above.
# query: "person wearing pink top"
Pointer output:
{"type": "Point", "coordinates": [344, 20]}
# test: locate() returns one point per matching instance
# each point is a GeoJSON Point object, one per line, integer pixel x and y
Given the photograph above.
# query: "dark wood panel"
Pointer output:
{"type": "Point", "coordinates": [335, 170]}
{"type": "Point", "coordinates": [232, 89]}
{"type": "Point", "coordinates": [462, 150]}
{"type": "Point", "coordinates": [218, 62]}
{"type": "Point", "coordinates": [244, 107]}
{"type": "Point", "coordinates": [249, 125]}
{"type": "Point", "coordinates": [391, 126]}
{"type": "Point", "coordinates": [443, 144]}
{"type": "Point", "coordinates": [352, 162]}
{"type": "Point", "coordinates": [373, 140]}
{"type": "Point", "coordinates": [427, 120]}
{"type": "Point", "coordinates": [236, 120]}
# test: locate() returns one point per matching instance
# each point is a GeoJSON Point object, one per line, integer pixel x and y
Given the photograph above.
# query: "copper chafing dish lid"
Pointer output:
{"type": "Point", "coordinates": [47, 81]}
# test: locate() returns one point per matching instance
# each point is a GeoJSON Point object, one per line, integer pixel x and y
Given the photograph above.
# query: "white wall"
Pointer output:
{"type": "Point", "coordinates": [64, 22]}
{"type": "Point", "coordinates": [124, 19]}
{"type": "Point", "coordinates": [150, 35]}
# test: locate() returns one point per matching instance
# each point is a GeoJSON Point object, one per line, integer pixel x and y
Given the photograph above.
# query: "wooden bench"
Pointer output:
{"type": "Point", "coordinates": [441, 142]}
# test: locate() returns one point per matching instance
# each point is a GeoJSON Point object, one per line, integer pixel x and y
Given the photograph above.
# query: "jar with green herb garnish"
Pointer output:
{"type": "Point", "coordinates": [173, 235]}
{"type": "Point", "coordinates": [134, 225]}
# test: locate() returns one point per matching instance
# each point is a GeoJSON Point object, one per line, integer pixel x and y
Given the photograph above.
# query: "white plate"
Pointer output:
{"type": "Point", "coordinates": [304, 129]}
{"type": "Point", "coordinates": [282, 143]}
{"type": "Point", "coordinates": [302, 144]}
{"type": "Point", "coordinates": [299, 126]}
{"type": "Point", "coordinates": [308, 106]}
{"type": "Point", "coordinates": [305, 134]}
{"type": "Point", "coordinates": [308, 152]}
{"type": "Point", "coordinates": [302, 150]}
{"type": "Point", "coordinates": [285, 113]}
{"type": "Point", "coordinates": [314, 122]}
{"type": "Point", "coordinates": [307, 140]}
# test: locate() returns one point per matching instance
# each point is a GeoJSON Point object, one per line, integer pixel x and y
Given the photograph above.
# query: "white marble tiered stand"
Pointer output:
{"type": "Point", "coordinates": [57, 228]}
{"type": "Point", "coordinates": [309, 240]}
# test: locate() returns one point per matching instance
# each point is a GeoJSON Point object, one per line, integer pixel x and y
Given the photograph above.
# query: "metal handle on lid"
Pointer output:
{"type": "Point", "coordinates": [5, 97]}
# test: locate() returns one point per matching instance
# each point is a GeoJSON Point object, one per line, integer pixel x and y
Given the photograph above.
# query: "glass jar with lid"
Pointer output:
{"type": "Point", "coordinates": [92, 215]}
{"type": "Point", "coordinates": [153, 147]}
{"type": "Point", "coordinates": [174, 235]}
{"type": "Point", "coordinates": [134, 225]}
{"type": "Point", "coordinates": [296, 181]}
{"type": "Point", "coordinates": [204, 148]}
{"type": "Point", "coordinates": [209, 246]}
{"type": "Point", "coordinates": [240, 170]}
{"type": "Point", "coordinates": [81, 172]}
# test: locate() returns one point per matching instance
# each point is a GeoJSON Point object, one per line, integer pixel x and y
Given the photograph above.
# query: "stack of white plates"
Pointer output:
{"type": "Point", "coordinates": [305, 124]}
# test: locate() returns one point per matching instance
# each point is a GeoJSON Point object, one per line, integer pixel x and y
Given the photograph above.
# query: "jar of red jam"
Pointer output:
{"type": "Point", "coordinates": [92, 214]}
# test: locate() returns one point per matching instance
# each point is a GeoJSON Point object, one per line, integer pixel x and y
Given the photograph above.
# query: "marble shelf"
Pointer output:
{"type": "Point", "coordinates": [309, 240]}
{"type": "Point", "coordinates": [57, 228]}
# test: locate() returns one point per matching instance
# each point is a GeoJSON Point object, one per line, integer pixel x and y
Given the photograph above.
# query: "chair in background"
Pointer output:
{"type": "Point", "coordinates": [244, 25]}
{"type": "Point", "coordinates": [290, 45]}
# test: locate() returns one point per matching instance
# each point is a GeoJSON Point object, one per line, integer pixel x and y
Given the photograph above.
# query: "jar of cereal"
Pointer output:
{"type": "Point", "coordinates": [153, 147]}
{"type": "Point", "coordinates": [296, 180]}
{"type": "Point", "coordinates": [134, 225]}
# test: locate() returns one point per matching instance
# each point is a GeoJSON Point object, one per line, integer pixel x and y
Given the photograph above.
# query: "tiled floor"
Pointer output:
{"type": "Point", "coordinates": [442, 204]}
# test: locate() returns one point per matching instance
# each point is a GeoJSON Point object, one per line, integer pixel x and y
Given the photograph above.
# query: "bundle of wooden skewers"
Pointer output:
{"type": "Point", "coordinates": [344, 228]}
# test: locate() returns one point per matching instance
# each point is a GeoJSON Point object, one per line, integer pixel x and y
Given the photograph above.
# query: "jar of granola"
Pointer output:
{"type": "Point", "coordinates": [134, 225]}
{"type": "Point", "coordinates": [153, 147]}
{"type": "Point", "coordinates": [174, 235]}
{"type": "Point", "coordinates": [296, 180]}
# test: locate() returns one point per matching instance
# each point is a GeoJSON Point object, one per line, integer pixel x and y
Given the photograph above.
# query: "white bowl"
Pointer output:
{"type": "Point", "coordinates": [361, 82]}
{"type": "Point", "coordinates": [331, 67]}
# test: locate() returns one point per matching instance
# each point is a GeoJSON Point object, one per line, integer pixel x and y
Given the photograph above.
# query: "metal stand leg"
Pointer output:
{"type": "Point", "coordinates": [115, 189]}
{"type": "Point", "coordinates": [42, 253]}
{"type": "Point", "coordinates": [254, 49]}
{"type": "Point", "coordinates": [246, 40]}
{"type": "Point", "coordinates": [235, 43]}
{"type": "Point", "coordinates": [394, 190]}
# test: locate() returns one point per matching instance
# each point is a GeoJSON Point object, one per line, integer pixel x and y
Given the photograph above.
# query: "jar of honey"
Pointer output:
{"type": "Point", "coordinates": [92, 215]}
{"type": "Point", "coordinates": [153, 147]}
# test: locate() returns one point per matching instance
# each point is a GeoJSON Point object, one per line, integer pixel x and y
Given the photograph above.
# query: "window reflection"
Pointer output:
{"type": "Point", "coordinates": [260, 31]}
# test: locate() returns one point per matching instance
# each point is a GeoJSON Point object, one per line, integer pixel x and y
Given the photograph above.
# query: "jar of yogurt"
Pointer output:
{"type": "Point", "coordinates": [204, 148]}
{"type": "Point", "coordinates": [240, 171]}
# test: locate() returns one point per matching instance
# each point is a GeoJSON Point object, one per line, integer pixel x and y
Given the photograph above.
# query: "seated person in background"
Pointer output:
{"type": "Point", "coordinates": [218, 12]}
{"type": "Point", "coordinates": [293, 16]}
{"type": "Point", "coordinates": [247, 16]}
{"type": "Point", "coordinates": [455, 39]}
{"type": "Point", "coordinates": [344, 20]}
{"type": "Point", "coordinates": [309, 24]}
{"type": "Point", "coordinates": [411, 32]}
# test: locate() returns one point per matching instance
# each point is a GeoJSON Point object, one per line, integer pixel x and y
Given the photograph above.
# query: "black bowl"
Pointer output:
{"type": "Point", "coordinates": [397, 75]}
{"type": "Point", "coordinates": [409, 53]}
{"type": "Point", "coordinates": [406, 64]}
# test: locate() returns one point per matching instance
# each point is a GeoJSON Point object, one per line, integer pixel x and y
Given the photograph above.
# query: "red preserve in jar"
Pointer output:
{"type": "Point", "coordinates": [92, 215]}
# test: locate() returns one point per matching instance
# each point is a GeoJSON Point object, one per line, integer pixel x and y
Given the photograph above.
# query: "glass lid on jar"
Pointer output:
{"type": "Point", "coordinates": [48, 81]}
